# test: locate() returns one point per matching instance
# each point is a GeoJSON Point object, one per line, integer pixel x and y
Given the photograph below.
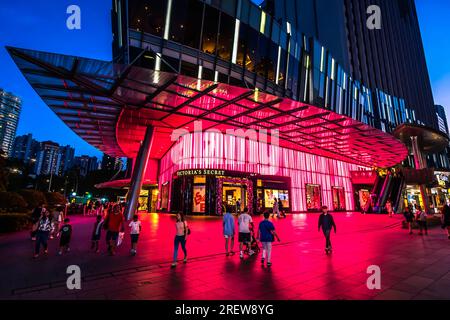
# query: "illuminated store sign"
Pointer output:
{"type": "Point", "coordinates": [208, 172]}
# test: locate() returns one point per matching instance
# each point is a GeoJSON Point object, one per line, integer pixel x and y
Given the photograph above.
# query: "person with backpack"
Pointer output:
{"type": "Point", "coordinates": [266, 235]}
{"type": "Point", "coordinates": [182, 231]}
{"type": "Point", "coordinates": [446, 219]}
{"type": "Point", "coordinates": [326, 222]}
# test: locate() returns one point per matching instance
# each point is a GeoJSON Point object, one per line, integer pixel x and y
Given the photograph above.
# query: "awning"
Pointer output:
{"type": "Point", "coordinates": [110, 106]}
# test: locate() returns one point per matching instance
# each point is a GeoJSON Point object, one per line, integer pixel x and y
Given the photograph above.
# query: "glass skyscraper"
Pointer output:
{"type": "Point", "coordinates": [10, 107]}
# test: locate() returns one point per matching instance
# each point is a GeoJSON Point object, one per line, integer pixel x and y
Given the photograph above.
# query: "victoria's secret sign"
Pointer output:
{"type": "Point", "coordinates": [201, 172]}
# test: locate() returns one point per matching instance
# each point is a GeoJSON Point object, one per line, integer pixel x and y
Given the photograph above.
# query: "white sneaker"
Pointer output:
{"type": "Point", "coordinates": [251, 252]}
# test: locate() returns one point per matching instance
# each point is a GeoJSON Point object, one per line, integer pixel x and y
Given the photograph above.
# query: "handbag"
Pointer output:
{"type": "Point", "coordinates": [187, 230]}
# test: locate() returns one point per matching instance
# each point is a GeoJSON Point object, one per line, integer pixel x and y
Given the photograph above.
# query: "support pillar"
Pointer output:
{"type": "Point", "coordinates": [420, 163]}
{"type": "Point", "coordinates": [137, 176]}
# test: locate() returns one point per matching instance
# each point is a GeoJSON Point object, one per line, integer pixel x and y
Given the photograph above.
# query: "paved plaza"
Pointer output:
{"type": "Point", "coordinates": [412, 266]}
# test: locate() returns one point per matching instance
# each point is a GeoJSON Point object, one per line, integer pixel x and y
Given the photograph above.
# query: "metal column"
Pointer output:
{"type": "Point", "coordinates": [137, 176]}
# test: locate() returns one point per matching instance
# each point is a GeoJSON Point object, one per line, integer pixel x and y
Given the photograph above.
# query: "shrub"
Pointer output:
{"type": "Point", "coordinates": [10, 222]}
{"type": "Point", "coordinates": [54, 199]}
{"type": "Point", "coordinates": [33, 197]}
{"type": "Point", "coordinates": [12, 202]}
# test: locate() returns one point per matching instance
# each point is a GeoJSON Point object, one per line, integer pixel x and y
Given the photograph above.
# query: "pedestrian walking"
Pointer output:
{"type": "Point", "coordinates": [409, 218]}
{"type": "Point", "coordinates": [446, 219]}
{"type": "Point", "coordinates": [228, 231]}
{"type": "Point", "coordinates": [44, 227]}
{"type": "Point", "coordinates": [57, 218]}
{"type": "Point", "coordinates": [326, 223]}
{"type": "Point", "coordinates": [244, 222]}
{"type": "Point", "coordinates": [275, 209]}
{"type": "Point", "coordinates": [66, 236]}
{"type": "Point", "coordinates": [238, 206]}
{"type": "Point", "coordinates": [35, 216]}
{"type": "Point", "coordinates": [182, 231]}
{"type": "Point", "coordinates": [389, 208]}
{"type": "Point", "coordinates": [267, 235]}
{"type": "Point", "coordinates": [135, 230]}
{"type": "Point", "coordinates": [421, 217]}
{"type": "Point", "coordinates": [96, 234]}
{"type": "Point", "coordinates": [113, 224]}
{"type": "Point", "coordinates": [281, 208]}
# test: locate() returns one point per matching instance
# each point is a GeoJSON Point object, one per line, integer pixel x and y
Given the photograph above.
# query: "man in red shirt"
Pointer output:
{"type": "Point", "coordinates": [113, 225]}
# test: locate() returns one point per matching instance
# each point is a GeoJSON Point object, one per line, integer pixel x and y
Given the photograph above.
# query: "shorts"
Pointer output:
{"type": "Point", "coordinates": [64, 241]}
{"type": "Point", "coordinates": [112, 235]}
{"type": "Point", "coordinates": [244, 237]}
{"type": "Point", "coordinates": [134, 238]}
{"type": "Point", "coordinates": [228, 236]}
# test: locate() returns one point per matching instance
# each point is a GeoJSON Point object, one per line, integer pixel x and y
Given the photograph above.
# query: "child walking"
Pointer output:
{"type": "Point", "coordinates": [267, 234]}
{"type": "Point", "coordinates": [96, 234]}
{"type": "Point", "coordinates": [66, 235]}
{"type": "Point", "coordinates": [135, 230]}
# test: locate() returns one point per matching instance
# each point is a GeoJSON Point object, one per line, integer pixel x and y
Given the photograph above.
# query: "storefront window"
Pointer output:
{"type": "Point", "coordinates": [143, 200]}
{"type": "Point", "coordinates": [365, 201]}
{"type": "Point", "coordinates": [199, 179]}
{"type": "Point", "coordinates": [198, 203]}
{"type": "Point", "coordinates": [164, 196]}
{"type": "Point", "coordinates": [313, 197]}
{"type": "Point", "coordinates": [338, 198]}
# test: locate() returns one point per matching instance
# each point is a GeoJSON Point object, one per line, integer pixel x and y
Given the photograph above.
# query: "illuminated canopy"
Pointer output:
{"type": "Point", "coordinates": [110, 105]}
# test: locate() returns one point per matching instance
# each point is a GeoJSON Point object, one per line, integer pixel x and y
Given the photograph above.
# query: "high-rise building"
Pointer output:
{"type": "Point", "coordinates": [66, 159]}
{"type": "Point", "coordinates": [441, 119]}
{"type": "Point", "coordinates": [10, 106]}
{"type": "Point", "coordinates": [111, 163]}
{"type": "Point", "coordinates": [25, 148]}
{"type": "Point", "coordinates": [86, 164]}
{"type": "Point", "coordinates": [47, 158]}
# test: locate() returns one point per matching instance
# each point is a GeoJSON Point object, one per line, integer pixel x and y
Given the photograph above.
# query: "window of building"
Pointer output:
{"type": "Point", "coordinates": [186, 22]}
{"type": "Point", "coordinates": [147, 16]}
{"type": "Point", "coordinates": [210, 30]}
{"type": "Point", "coordinates": [226, 35]}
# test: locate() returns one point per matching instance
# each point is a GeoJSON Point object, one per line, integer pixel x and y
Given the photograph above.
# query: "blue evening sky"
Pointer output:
{"type": "Point", "coordinates": [41, 25]}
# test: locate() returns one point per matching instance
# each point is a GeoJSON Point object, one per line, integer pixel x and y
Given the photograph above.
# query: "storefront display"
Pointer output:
{"type": "Point", "coordinates": [198, 203]}
{"type": "Point", "coordinates": [313, 197]}
{"type": "Point", "coordinates": [365, 200]}
{"type": "Point", "coordinates": [338, 198]}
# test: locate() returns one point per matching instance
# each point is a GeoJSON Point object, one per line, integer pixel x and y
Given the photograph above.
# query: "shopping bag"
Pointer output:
{"type": "Point", "coordinates": [120, 238]}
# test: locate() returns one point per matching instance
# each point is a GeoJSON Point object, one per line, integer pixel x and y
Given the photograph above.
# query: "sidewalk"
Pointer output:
{"type": "Point", "coordinates": [412, 267]}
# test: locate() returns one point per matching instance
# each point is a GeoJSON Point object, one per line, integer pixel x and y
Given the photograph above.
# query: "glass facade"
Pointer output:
{"type": "Point", "coordinates": [247, 47]}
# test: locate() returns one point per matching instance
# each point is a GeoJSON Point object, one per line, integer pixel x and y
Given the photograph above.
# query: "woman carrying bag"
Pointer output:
{"type": "Point", "coordinates": [182, 231]}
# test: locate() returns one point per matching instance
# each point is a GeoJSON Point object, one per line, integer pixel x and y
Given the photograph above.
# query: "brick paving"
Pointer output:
{"type": "Point", "coordinates": [412, 266]}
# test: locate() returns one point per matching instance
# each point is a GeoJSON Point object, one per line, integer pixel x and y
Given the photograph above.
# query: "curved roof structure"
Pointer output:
{"type": "Point", "coordinates": [111, 105]}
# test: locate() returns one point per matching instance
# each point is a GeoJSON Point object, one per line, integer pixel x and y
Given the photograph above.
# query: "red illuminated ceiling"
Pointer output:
{"type": "Point", "coordinates": [110, 106]}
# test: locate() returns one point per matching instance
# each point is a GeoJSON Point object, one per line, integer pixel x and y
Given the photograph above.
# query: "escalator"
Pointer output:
{"type": "Point", "coordinates": [392, 190]}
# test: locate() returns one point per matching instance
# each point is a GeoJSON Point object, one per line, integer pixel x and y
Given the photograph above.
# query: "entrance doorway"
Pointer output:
{"type": "Point", "coordinates": [234, 196]}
